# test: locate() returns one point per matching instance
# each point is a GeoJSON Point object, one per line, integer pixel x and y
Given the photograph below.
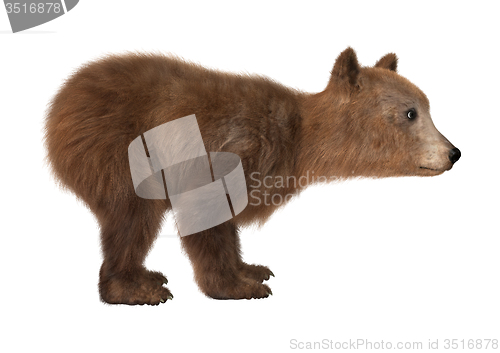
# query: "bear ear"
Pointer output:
{"type": "Point", "coordinates": [346, 68]}
{"type": "Point", "coordinates": [389, 61]}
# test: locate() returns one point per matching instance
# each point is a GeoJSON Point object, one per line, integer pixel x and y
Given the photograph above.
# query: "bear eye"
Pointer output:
{"type": "Point", "coordinates": [411, 114]}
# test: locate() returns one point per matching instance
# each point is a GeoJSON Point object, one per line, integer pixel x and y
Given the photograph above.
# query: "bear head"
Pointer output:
{"type": "Point", "coordinates": [372, 122]}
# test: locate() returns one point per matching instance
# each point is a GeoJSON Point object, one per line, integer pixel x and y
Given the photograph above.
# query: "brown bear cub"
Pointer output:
{"type": "Point", "coordinates": [368, 122]}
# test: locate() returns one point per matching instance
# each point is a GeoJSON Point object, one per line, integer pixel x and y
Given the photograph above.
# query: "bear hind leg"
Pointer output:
{"type": "Point", "coordinates": [127, 235]}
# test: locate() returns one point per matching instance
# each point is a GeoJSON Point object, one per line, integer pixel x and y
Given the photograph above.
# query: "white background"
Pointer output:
{"type": "Point", "coordinates": [407, 259]}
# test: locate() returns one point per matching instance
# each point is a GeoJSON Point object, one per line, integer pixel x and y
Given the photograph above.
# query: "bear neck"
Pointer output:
{"type": "Point", "coordinates": [327, 150]}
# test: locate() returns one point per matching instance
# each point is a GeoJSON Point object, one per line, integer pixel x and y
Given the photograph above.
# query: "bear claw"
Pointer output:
{"type": "Point", "coordinates": [169, 297]}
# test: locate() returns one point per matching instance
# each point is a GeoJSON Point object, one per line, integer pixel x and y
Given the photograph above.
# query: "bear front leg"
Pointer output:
{"type": "Point", "coordinates": [127, 234]}
{"type": "Point", "coordinates": [218, 268]}
{"type": "Point", "coordinates": [257, 272]}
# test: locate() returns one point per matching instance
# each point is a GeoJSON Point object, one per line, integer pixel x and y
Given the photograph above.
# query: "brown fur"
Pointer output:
{"type": "Point", "coordinates": [353, 128]}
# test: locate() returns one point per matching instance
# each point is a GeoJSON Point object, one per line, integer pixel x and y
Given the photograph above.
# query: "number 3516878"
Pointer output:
{"type": "Point", "coordinates": [47, 7]}
{"type": "Point", "coordinates": [475, 344]}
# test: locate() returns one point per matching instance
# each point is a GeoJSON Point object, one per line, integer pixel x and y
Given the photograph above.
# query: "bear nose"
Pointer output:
{"type": "Point", "coordinates": [454, 155]}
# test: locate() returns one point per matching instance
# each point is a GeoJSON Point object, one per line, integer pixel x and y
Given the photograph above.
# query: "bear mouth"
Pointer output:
{"type": "Point", "coordinates": [432, 171]}
{"type": "Point", "coordinates": [435, 170]}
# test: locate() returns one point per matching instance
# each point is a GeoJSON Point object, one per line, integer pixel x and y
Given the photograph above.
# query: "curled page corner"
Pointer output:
{"type": "Point", "coordinates": [198, 198]}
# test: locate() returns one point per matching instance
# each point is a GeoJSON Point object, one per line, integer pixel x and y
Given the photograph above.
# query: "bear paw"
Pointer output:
{"type": "Point", "coordinates": [256, 272]}
{"type": "Point", "coordinates": [244, 288]}
{"type": "Point", "coordinates": [145, 287]}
